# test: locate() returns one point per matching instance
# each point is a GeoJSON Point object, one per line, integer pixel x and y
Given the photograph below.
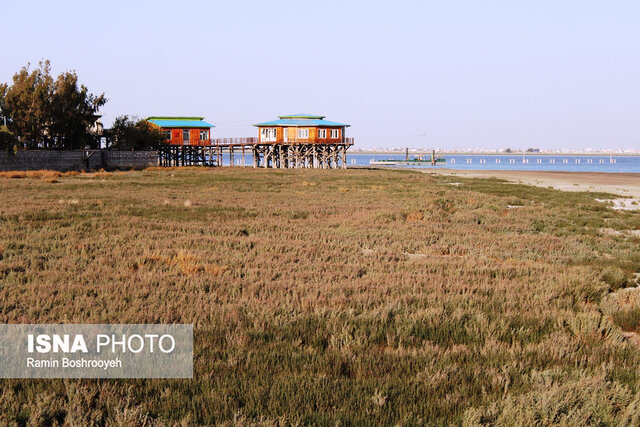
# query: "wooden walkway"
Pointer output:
{"type": "Point", "coordinates": [292, 154]}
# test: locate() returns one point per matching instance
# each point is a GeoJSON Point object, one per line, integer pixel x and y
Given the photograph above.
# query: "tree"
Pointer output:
{"type": "Point", "coordinates": [44, 113]}
{"type": "Point", "coordinates": [27, 104]}
{"type": "Point", "coordinates": [134, 134]}
{"type": "Point", "coordinates": [8, 141]}
{"type": "Point", "coordinates": [3, 94]}
{"type": "Point", "coordinates": [73, 112]}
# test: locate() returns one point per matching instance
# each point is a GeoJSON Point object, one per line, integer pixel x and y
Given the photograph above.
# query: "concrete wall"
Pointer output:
{"type": "Point", "coordinates": [73, 160]}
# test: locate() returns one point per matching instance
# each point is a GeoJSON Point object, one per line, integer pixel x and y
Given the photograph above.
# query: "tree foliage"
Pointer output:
{"type": "Point", "coordinates": [3, 94]}
{"type": "Point", "coordinates": [8, 141]}
{"type": "Point", "coordinates": [47, 113]}
{"type": "Point", "coordinates": [26, 104]}
{"type": "Point", "coordinates": [131, 133]}
{"type": "Point", "coordinates": [73, 111]}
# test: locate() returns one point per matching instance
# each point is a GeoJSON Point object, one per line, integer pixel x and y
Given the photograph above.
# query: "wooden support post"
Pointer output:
{"type": "Point", "coordinates": [243, 155]}
{"type": "Point", "coordinates": [314, 157]}
{"type": "Point", "coordinates": [280, 157]}
{"type": "Point", "coordinates": [344, 157]}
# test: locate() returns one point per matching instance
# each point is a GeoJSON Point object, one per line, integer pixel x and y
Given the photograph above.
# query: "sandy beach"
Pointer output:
{"type": "Point", "coordinates": [622, 184]}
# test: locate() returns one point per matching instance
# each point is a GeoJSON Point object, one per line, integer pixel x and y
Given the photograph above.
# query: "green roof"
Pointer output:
{"type": "Point", "coordinates": [302, 120]}
{"type": "Point", "coordinates": [302, 116]}
{"type": "Point", "coordinates": [174, 118]}
{"type": "Point", "coordinates": [179, 122]}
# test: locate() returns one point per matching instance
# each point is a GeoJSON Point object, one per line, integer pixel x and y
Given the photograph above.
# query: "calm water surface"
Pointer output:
{"type": "Point", "coordinates": [532, 162]}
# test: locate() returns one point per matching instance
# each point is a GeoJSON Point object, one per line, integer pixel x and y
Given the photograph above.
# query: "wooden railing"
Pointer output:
{"type": "Point", "coordinates": [235, 141]}
{"type": "Point", "coordinates": [228, 142]}
{"type": "Point", "coordinates": [248, 141]}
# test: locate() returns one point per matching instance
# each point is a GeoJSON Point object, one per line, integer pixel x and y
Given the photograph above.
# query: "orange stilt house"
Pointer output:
{"type": "Point", "coordinates": [302, 128]}
{"type": "Point", "coordinates": [301, 141]}
{"type": "Point", "coordinates": [183, 130]}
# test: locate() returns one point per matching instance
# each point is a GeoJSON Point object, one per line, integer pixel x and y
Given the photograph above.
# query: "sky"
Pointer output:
{"type": "Point", "coordinates": [428, 74]}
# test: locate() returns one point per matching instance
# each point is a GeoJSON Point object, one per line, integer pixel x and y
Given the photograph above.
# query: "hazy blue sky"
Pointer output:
{"type": "Point", "coordinates": [549, 74]}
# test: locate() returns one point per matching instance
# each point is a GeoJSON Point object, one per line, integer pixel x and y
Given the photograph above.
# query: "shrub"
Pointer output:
{"type": "Point", "coordinates": [615, 277]}
{"type": "Point", "coordinates": [628, 320]}
{"type": "Point", "coordinates": [586, 401]}
{"type": "Point", "coordinates": [8, 141]}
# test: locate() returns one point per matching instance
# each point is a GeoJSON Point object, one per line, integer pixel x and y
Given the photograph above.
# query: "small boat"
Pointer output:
{"type": "Point", "coordinates": [432, 160]}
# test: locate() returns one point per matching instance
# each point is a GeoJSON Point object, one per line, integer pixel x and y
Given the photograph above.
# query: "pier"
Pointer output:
{"type": "Point", "coordinates": [285, 155]}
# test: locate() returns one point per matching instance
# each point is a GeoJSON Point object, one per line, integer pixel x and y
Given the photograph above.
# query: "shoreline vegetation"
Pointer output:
{"type": "Point", "coordinates": [362, 296]}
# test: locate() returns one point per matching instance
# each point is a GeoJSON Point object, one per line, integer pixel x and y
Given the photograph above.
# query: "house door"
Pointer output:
{"type": "Point", "coordinates": [285, 134]}
{"type": "Point", "coordinates": [185, 137]}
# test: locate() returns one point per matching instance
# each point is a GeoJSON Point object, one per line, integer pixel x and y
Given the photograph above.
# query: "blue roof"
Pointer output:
{"type": "Point", "coordinates": [302, 120]}
{"type": "Point", "coordinates": [180, 122]}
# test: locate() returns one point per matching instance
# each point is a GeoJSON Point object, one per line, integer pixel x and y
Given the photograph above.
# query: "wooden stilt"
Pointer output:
{"type": "Point", "coordinates": [305, 155]}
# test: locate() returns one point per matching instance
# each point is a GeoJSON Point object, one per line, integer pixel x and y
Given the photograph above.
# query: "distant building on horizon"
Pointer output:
{"type": "Point", "coordinates": [301, 129]}
{"type": "Point", "coordinates": [183, 130]}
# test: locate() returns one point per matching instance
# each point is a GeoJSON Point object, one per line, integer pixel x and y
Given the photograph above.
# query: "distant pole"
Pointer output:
{"type": "Point", "coordinates": [406, 154]}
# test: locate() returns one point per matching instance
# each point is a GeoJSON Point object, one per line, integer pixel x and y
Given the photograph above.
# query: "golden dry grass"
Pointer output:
{"type": "Point", "coordinates": [50, 175]}
{"type": "Point", "coordinates": [401, 300]}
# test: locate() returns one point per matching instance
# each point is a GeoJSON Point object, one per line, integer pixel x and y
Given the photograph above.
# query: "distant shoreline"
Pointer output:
{"type": "Point", "coordinates": [488, 153]}
{"type": "Point", "coordinates": [626, 184]}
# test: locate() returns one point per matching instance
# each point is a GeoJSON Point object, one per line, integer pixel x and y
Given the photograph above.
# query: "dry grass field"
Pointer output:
{"type": "Point", "coordinates": [330, 297]}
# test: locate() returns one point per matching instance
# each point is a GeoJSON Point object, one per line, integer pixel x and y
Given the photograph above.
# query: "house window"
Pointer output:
{"type": "Point", "coordinates": [167, 134]}
{"type": "Point", "coordinates": [267, 134]}
{"type": "Point", "coordinates": [185, 136]}
{"type": "Point", "coordinates": [322, 133]}
{"type": "Point", "coordinates": [303, 133]}
{"type": "Point", "coordinates": [335, 133]}
{"type": "Point", "coordinates": [204, 135]}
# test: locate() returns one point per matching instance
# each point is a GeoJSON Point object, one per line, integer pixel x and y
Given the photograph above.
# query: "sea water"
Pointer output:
{"type": "Point", "coordinates": [530, 162]}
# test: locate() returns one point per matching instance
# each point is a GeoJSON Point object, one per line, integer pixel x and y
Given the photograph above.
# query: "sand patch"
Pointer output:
{"type": "Point", "coordinates": [414, 257]}
{"type": "Point", "coordinates": [619, 233]}
{"type": "Point", "coordinates": [615, 183]}
{"type": "Point", "coordinates": [622, 204]}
